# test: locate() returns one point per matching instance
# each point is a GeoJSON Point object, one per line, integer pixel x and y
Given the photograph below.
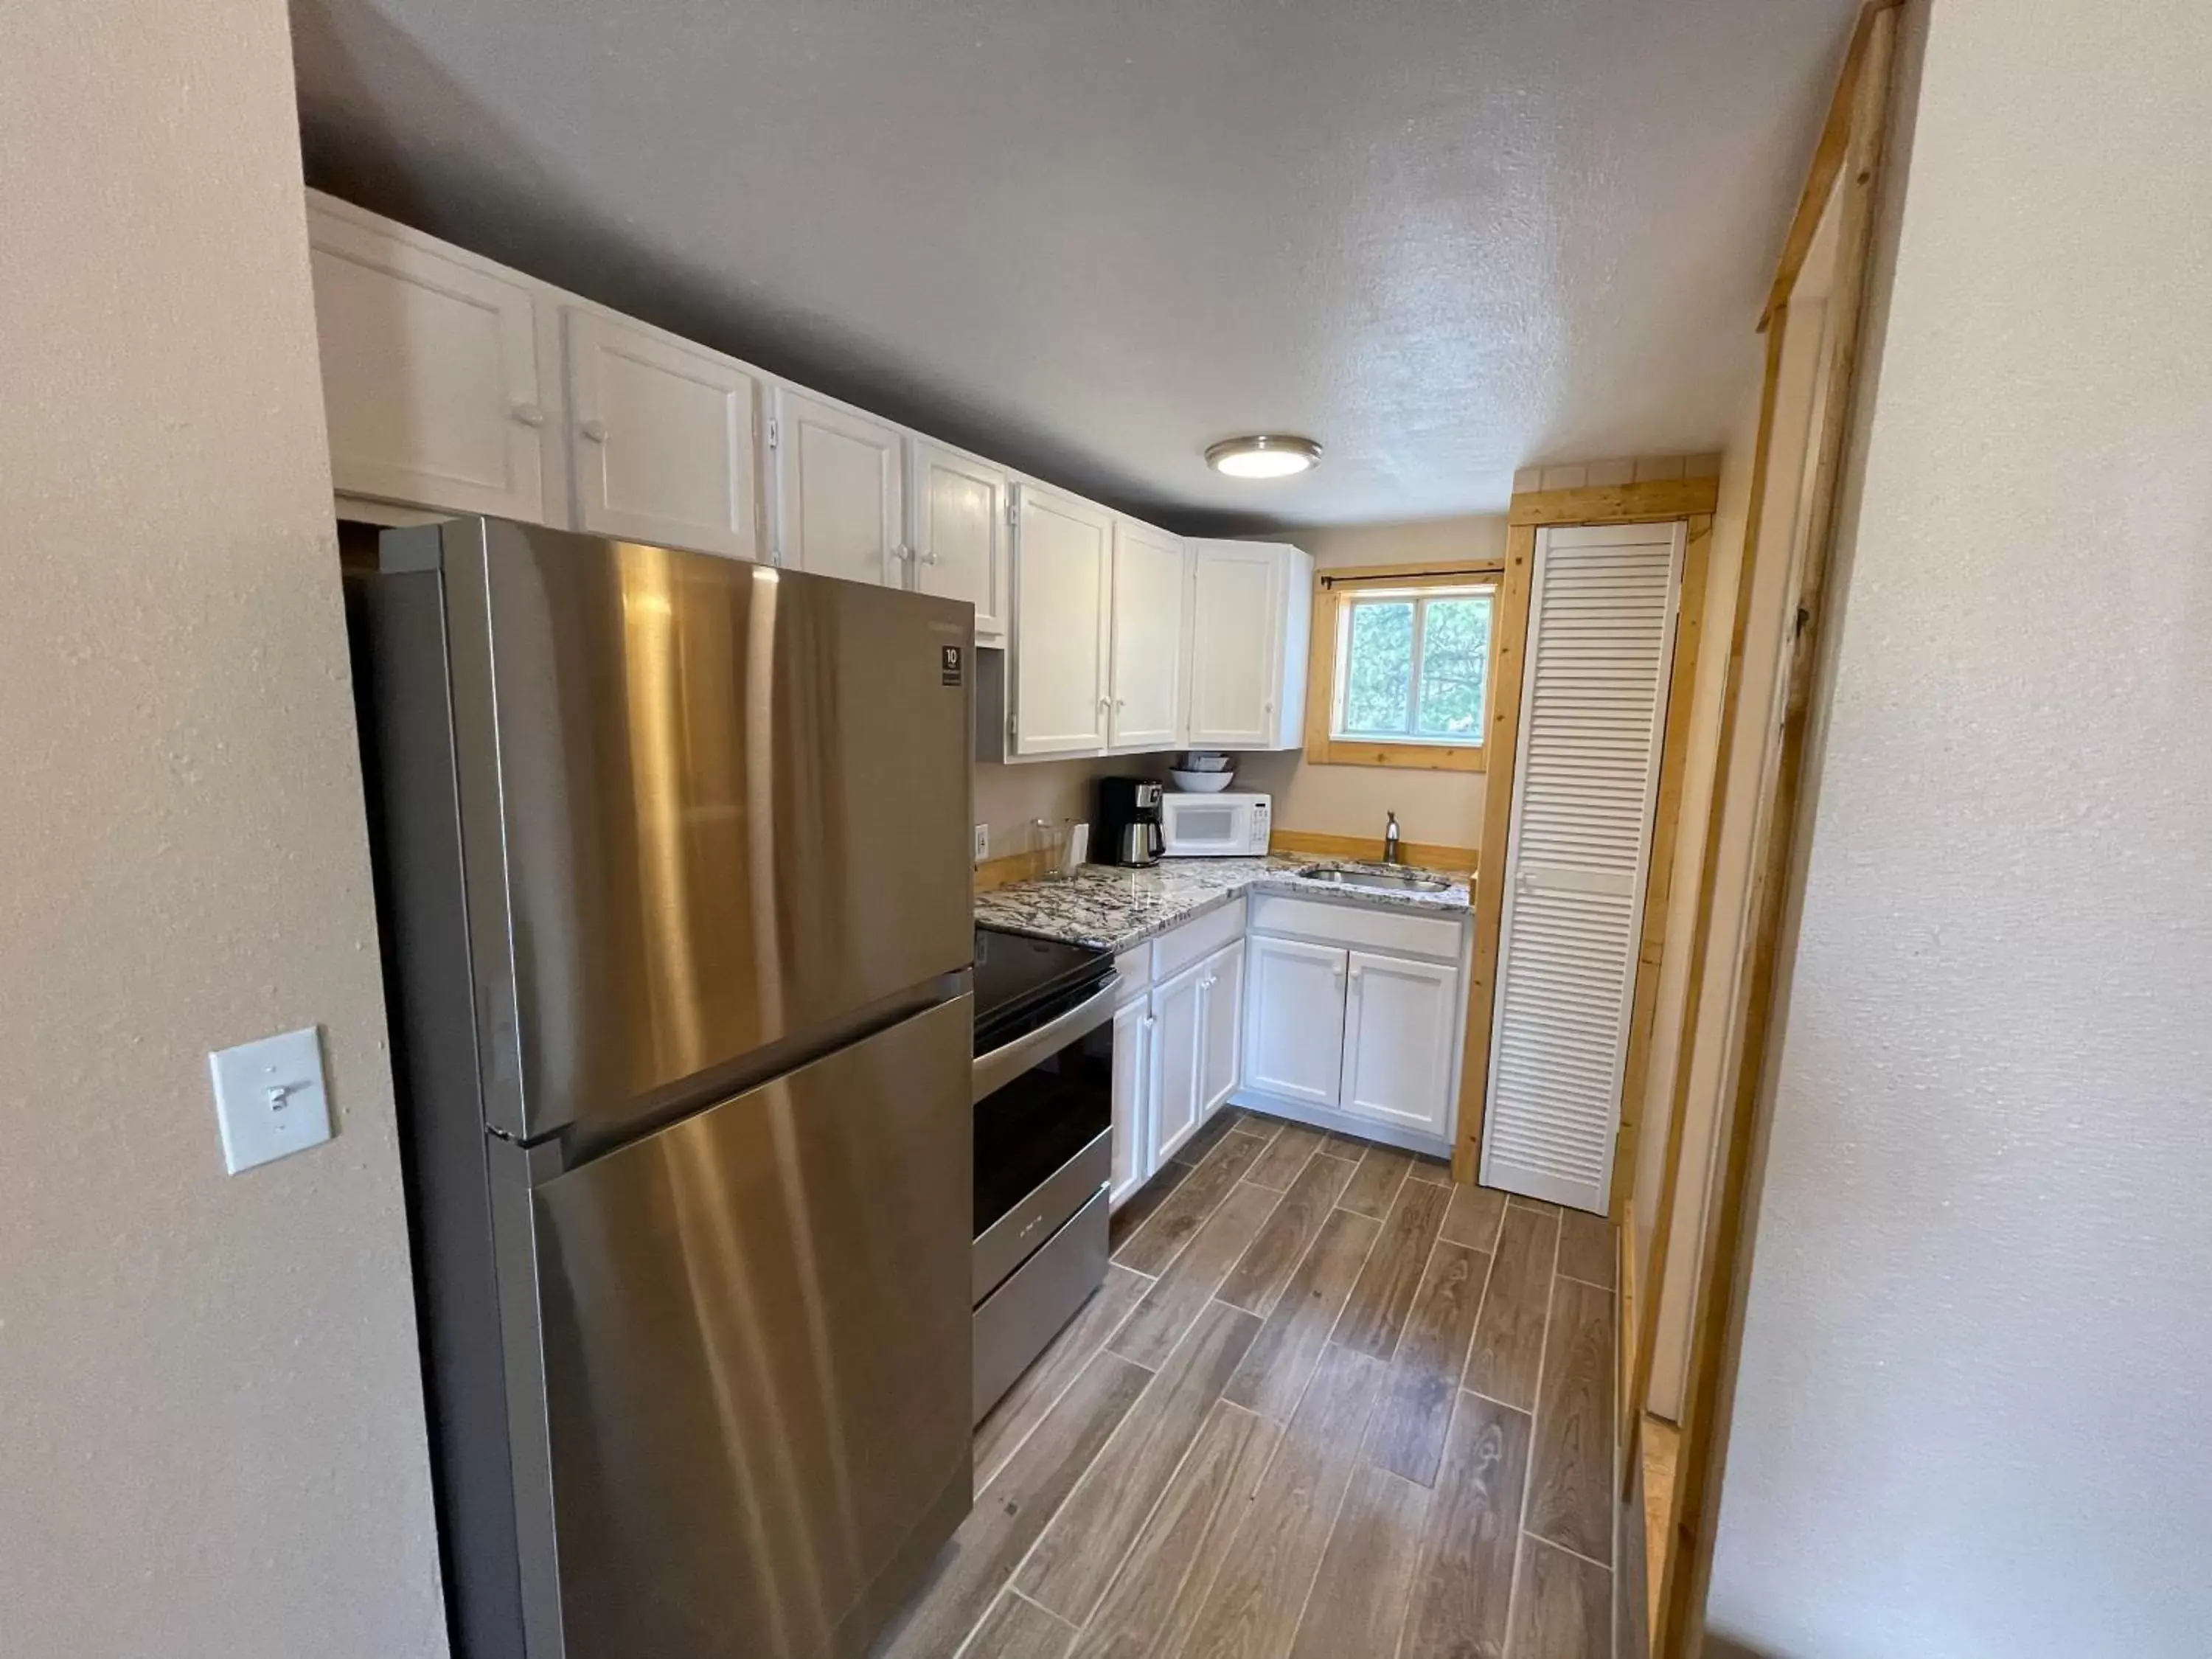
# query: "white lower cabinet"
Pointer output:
{"type": "Point", "coordinates": [1132, 1067]}
{"type": "Point", "coordinates": [1177, 1044]}
{"type": "Point", "coordinates": [1401, 1020]}
{"type": "Point", "coordinates": [1222, 1046]}
{"type": "Point", "coordinates": [1294, 1022]}
{"type": "Point", "coordinates": [1178, 1033]}
{"type": "Point", "coordinates": [1356, 1033]}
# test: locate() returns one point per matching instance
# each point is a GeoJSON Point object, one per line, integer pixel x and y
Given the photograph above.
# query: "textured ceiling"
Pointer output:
{"type": "Point", "coordinates": [1089, 237]}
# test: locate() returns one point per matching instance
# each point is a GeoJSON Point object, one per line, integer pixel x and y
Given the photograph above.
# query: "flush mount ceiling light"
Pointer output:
{"type": "Point", "coordinates": [1264, 455]}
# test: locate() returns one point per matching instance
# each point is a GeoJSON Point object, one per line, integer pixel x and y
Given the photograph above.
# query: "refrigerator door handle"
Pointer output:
{"type": "Point", "coordinates": [1010, 1059]}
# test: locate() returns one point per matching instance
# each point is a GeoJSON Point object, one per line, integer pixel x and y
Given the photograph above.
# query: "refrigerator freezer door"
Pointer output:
{"type": "Point", "coordinates": [707, 808]}
{"type": "Point", "coordinates": [755, 1345]}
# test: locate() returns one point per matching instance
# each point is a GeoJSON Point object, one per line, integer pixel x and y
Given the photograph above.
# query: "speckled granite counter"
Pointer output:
{"type": "Point", "coordinates": [1115, 908]}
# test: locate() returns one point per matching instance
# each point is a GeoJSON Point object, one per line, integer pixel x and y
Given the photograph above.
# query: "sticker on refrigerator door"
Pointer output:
{"type": "Point", "coordinates": [948, 665]}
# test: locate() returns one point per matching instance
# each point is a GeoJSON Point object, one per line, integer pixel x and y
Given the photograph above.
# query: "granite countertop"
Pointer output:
{"type": "Point", "coordinates": [1113, 909]}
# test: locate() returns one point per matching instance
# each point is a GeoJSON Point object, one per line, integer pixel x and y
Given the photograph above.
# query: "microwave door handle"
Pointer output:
{"type": "Point", "coordinates": [1009, 1060]}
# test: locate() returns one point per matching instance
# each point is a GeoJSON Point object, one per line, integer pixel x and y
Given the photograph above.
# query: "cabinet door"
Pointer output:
{"type": "Point", "coordinates": [1132, 1075]}
{"type": "Point", "coordinates": [663, 434]}
{"type": "Point", "coordinates": [1147, 631]}
{"type": "Point", "coordinates": [1178, 1028]}
{"type": "Point", "coordinates": [1399, 1020]}
{"type": "Point", "coordinates": [1236, 645]}
{"type": "Point", "coordinates": [960, 535]}
{"type": "Point", "coordinates": [1294, 1018]}
{"type": "Point", "coordinates": [430, 378]}
{"type": "Point", "coordinates": [1223, 1046]}
{"type": "Point", "coordinates": [840, 490]}
{"type": "Point", "coordinates": [1063, 561]}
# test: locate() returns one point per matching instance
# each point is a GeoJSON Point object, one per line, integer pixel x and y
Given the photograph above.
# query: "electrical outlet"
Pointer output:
{"type": "Point", "coordinates": [982, 842]}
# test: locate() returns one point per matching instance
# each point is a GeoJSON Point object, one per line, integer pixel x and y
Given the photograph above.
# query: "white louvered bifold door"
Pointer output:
{"type": "Point", "coordinates": [1593, 710]}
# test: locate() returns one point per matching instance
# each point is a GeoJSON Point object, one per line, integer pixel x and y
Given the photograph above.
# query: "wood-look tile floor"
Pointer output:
{"type": "Point", "coordinates": [1326, 1406]}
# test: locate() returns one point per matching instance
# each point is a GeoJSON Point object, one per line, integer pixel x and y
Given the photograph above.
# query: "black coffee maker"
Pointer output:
{"type": "Point", "coordinates": [1129, 829]}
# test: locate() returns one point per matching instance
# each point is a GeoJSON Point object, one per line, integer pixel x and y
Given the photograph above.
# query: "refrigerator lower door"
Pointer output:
{"type": "Point", "coordinates": [755, 1336]}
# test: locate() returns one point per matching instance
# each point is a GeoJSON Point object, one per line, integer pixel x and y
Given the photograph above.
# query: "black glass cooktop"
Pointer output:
{"type": "Point", "coordinates": [1020, 982]}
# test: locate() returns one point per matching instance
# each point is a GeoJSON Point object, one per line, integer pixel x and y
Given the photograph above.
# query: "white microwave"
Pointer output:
{"type": "Point", "coordinates": [1223, 826]}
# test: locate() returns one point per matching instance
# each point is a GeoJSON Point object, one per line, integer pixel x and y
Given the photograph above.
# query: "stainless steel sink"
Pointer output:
{"type": "Point", "coordinates": [1380, 881]}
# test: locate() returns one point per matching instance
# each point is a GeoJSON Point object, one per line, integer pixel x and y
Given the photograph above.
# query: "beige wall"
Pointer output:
{"type": "Point", "coordinates": [1444, 808]}
{"type": "Point", "coordinates": [212, 1424]}
{"type": "Point", "coordinates": [1969, 1415]}
{"type": "Point", "coordinates": [1009, 798]}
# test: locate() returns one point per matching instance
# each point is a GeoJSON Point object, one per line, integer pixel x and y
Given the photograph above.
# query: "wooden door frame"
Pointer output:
{"type": "Point", "coordinates": [1846, 171]}
{"type": "Point", "coordinates": [1660, 501]}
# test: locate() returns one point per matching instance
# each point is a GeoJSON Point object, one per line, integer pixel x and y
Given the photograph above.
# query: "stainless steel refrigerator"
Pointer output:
{"type": "Point", "coordinates": [672, 858]}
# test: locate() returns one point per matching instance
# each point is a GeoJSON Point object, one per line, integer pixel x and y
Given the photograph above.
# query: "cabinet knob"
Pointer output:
{"type": "Point", "coordinates": [929, 558]}
{"type": "Point", "coordinates": [596, 431]}
{"type": "Point", "coordinates": [529, 415]}
{"type": "Point", "coordinates": [902, 553]}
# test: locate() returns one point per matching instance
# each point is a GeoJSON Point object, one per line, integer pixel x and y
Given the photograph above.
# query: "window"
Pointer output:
{"type": "Point", "coordinates": [1408, 660]}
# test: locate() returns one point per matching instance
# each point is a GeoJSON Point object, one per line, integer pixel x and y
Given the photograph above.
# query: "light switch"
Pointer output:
{"type": "Point", "coordinates": [270, 1097]}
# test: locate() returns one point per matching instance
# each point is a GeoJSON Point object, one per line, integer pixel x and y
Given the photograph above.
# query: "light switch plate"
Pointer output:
{"type": "Point", "coordinates": [982, 842]}
{"type": "Point", "coordinates": [270, 1097]}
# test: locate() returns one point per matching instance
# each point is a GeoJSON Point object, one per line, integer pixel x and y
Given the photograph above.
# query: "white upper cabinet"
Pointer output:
{"type": "Point", "coordinates": [1147, 636]}
{"type": "Point", "coordinates": [661, 437]}
{"type": "Point", "coordinates": [839, 489]}
{"type": "Point", "coordinates": [1222, 1056]}
{"type": "Point", "coordinates": [1294, 1018]}
{"type": "Point", "coordinates": [455, 385]}
{"type": "Point", "coordinates": [1063, 569]}
{"type": "Point", "coordinates": [961, 535]}
{"type": "Point", "coordinates": [1401, 1019]}
{"type": "Point", "coordinates": [1251, 606]}
{"type": "Point", "coordinates": [431, 382]}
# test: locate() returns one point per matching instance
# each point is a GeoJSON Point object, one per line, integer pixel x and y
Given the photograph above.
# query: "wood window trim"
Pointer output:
{"type": "Point", "coordinates": [1323, 748]}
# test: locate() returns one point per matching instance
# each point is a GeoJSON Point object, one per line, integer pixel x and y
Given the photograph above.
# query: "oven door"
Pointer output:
{"type": "Point", "coordinates": [1044, 1123]}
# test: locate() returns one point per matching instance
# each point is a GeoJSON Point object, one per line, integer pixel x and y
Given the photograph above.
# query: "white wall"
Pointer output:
{"type": "Point", "coordinates": [211, 1431]}
{"type": "Point", "coordinates": [1970, 1415]}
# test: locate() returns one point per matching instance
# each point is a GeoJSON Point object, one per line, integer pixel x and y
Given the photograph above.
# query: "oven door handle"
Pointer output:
{"type": "Point", "coordinates": [1009, 1060]}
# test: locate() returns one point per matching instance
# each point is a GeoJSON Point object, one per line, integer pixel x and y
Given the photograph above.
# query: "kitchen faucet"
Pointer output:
{"type": "Point", "coordinates": [1390, 839]}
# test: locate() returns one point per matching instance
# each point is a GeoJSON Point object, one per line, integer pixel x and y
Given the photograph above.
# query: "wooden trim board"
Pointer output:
{"type": "Point", "coordinates": [1368, 849]}
{"type": "Point", "coordinates": [1509, 638]}
{"type": "Point", "coordinates": [1323, 748]}
{"type": "Point", "coordinates": [1716, 1336]}
{"type": "Point", "coordinates": [1827, 162]}
{"type": "Point", "coordinates": [1644, 1337]}
{"type": "Point", "coordinates": [993, 874]}
{"type": "Point", "coordinates": [1666, 821]}
{"type": "Point", "coordinates": [1658, 500]}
